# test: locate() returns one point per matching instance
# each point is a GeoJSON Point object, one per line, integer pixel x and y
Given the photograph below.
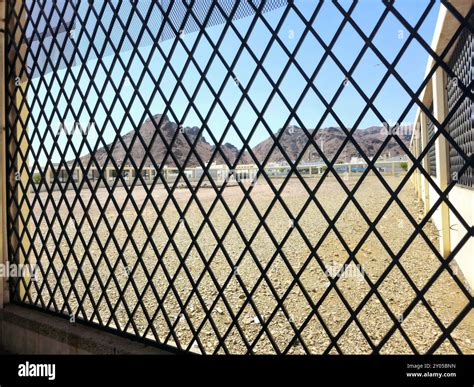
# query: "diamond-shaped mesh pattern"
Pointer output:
{"type": "Point", "coordinates": [55, 29]}
{"type": "Point", "coordinates": [170, 234]}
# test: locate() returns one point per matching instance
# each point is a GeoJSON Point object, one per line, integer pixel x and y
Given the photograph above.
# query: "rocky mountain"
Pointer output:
{"type": "Point", "coordinates": [180, 148]}
{"type": "Point", "coordinates": [329, 140]}
{"type": "Point", "coordinates": [292, 141]}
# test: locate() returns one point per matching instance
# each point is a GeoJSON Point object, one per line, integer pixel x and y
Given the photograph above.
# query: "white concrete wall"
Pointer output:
{"type": "Point", "coordinates": [463, 200]}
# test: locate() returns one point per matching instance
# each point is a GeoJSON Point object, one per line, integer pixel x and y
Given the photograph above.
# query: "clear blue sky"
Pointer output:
{"type": "Point", "coordinates": [391, 101]}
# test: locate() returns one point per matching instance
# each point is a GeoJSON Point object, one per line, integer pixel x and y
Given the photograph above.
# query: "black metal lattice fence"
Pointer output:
{"type": "Point", "coordinates": [118, 260]}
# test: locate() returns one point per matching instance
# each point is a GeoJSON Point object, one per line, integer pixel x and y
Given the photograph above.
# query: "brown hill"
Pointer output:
{"type": "Point", "coordinates": [292, 141]}
{"type": "Point", "coordinates": [180, 149]}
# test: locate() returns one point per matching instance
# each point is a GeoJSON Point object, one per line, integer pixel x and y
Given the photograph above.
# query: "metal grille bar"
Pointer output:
{"type": "Point", "coordinates": [461, 126]}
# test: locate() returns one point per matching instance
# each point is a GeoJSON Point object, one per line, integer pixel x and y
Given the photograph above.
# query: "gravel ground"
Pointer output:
{"type": "Point", "coordinates": [223, 270]}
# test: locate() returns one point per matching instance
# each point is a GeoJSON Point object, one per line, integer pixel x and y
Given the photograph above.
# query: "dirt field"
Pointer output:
{"type": "Point", "coordinates": [220, 271]}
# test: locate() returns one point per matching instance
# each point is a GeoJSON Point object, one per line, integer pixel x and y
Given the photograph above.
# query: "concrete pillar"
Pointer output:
{"type": "Point", "coordinates": [17, 88]}
{"type": "Point", "coordinates": [126, 174]}
{"type": "Point", "coordinates": [417, 173]}
{"type": "Point", "coordinates": [48, 175]}
{"type": "Point", "coordinates": [420, 149]}
{"type": "Point", "coordinates": [146, 174]}
{"type": "Point", "coordinates": [107, 174]}
{"type": "Point", "coordinates": [425, 163]}
{"type": "Point", "coordinates": [442, 156]}
{"type": "Point", "coordinates": [79, 175]}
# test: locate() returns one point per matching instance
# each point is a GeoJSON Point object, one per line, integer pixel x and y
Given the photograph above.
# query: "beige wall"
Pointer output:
{"type": "Point", "coordinates": [463, 200]}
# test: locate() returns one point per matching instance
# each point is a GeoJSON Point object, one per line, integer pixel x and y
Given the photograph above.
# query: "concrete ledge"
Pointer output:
{"type": "Point", "coordinates": [29, 332]}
